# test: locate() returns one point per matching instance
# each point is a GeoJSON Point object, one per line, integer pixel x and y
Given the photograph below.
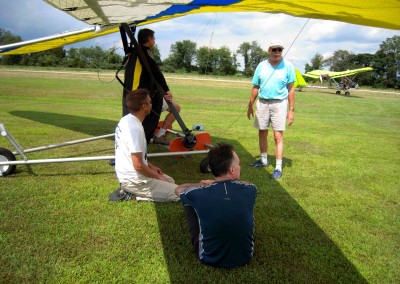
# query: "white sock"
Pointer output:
{"type": "Point", "coordinates": [161, 132]}
{"type": "Point", "coordinates": [278, 165]}
{"type": "Point", "coordinates": [264, 158]}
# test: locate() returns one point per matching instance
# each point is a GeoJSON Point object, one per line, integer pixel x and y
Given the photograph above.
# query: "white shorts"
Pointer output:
{"type": "Point", "coordinates": [153, 190]}
{"type": "Point", "coordinates": [271, 112]}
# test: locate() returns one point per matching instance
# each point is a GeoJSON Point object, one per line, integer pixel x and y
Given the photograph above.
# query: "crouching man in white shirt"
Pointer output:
{"type": "Point", "coordinates": [138, 178]}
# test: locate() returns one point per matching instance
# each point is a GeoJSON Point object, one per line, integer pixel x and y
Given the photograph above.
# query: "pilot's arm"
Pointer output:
{"type": "Point", "coordinates": [146, 170]}
{"type": "Point", "coordinates": [291, 103]}
{"type": "Point", "coordinates": [253, 97]}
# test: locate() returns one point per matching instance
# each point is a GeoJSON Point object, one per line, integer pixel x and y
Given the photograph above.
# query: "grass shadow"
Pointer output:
{"type": "Point", "coordinates": [87, 125]}
{"type": "Point", "coordinates": [289, 245]}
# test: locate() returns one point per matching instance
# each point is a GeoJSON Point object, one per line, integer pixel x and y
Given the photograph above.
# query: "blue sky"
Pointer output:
{"type": "Point", "coordinates": [32, 19]}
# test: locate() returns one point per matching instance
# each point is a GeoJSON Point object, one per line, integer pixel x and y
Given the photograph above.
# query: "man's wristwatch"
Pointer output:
{"type": "Point", "coordinates": [292, 108]}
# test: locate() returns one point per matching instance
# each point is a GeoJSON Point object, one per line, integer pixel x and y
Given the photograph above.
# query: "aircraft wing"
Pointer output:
{"type": "Point", "coordinates": [316, 74]}
{"type": "Point", "coordinates": [111, 13]}
{"type": "Point", "coordinates": [349, 72]}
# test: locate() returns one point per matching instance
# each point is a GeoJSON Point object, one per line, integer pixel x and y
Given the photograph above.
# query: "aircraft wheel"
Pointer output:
{"type": "Point", "coordinates": [337, 92]}
{"type": "Point", "coordinates": [204, 168]}
{"type": "Point", "coordinates": [347, 94]}
{"type": "Point", "coordinates": [5, 156]}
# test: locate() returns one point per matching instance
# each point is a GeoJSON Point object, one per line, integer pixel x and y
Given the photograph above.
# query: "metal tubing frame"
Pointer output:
{"type": "Point", "coordinates": [98, 158]}
{"type": "Point", "coordinates": [51, 146]}
{"type": "Point", "coordinates": [26, 161]}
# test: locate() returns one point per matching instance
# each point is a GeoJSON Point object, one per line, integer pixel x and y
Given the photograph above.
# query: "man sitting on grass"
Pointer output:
{"type": "Point", "coordinates": [138, 178]}
{"type": "Point", "coordinates": [220, 212]}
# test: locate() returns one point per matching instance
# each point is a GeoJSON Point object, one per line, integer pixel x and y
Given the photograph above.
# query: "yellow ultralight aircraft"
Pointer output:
{"type": "Point", "coordinates": [340, 81]}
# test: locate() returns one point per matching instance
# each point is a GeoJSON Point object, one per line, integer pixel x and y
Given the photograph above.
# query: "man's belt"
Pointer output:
{"type": "Point", "coordinates": [269, 100]}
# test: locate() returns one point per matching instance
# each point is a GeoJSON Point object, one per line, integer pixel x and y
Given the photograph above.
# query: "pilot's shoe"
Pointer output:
{"type": "Point", "coordinates": [277, 174]}
{"type": "Point", "coordinates": [163, 140]}
{"type": "Point", "coordinates": [258, 164]}
{"type": "Point", "coordinates": [121, 195]}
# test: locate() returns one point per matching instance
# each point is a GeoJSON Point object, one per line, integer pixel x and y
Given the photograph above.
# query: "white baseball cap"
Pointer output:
{"type": "Point", "coordinates": [275, 43]}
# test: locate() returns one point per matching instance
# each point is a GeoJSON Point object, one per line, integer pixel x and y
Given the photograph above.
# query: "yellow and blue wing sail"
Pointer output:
{"type": "Point", "coordinates": [110, 14]}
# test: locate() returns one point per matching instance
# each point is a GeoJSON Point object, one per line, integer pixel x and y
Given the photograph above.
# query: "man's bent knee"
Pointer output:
{"type": "Point", "coordinates": [278, 136]}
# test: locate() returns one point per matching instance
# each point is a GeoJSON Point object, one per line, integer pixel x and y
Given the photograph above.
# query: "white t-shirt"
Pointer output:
{"type": "Point", "coordinates": [129, 138]}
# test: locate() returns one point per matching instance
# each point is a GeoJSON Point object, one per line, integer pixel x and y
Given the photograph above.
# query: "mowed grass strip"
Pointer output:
{"type": "Point", "coordinates": [334, 217]}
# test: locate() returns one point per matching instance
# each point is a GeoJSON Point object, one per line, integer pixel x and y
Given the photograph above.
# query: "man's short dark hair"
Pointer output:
{"type": "Point", "coordinates": [136, 98]}
{"type": "Point", "coordinates": [144, 35]}
{"type": "Point", "coordinates": [220, 159]}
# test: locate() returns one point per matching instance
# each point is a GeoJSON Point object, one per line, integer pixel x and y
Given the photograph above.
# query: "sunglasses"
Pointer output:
{"type": "Point", "coordinates": [277, 49]}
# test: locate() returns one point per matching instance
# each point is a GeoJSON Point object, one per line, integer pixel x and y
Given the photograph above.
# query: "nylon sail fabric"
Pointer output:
{"type": "Point", "coordinates": [111, 13]}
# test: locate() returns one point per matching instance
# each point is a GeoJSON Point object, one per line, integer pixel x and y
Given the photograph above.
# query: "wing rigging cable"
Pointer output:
{"type": "Point", "coordinates": [209, 44]}
{"type": "Point", "coordinates": [90, 61]}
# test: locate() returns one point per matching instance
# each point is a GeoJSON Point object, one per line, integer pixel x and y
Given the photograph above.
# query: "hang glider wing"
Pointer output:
{"type": "Point", "coordinates": [367, 12]}
{"type": "Point", "coordinates": [111, 13]}
{"type": "Point", "coordinates": [316, 74]}
{"type": "Point", "coordinates": [54, 41]}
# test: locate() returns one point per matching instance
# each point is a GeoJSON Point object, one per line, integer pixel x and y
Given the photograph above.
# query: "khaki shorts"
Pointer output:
{"type": "Point", "coordinates": [153, 190]}
{"type": "Point", "coordinates": [271, 112]}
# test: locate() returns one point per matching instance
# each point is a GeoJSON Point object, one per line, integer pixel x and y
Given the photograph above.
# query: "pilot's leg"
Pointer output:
{"type": "Point", "coordinates": [150, 122]}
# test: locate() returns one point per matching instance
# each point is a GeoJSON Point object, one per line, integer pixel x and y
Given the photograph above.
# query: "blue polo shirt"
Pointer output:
{"type": "Point", "coordinates": [226, 221]}
{"type": "Point", "coordinates": [273, 80]}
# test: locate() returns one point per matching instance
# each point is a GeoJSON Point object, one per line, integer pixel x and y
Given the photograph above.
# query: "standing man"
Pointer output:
{"type": "Point", "coordinates": [147, 42]}
{"type": "Point", "coordinates": [220, 212]}
{"type": "Point", "coordinates": [273, 83]}
{"type": "Point", "coordinates": [138, 178]}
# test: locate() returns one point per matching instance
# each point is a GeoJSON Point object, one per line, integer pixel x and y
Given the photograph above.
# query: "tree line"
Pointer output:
{"type": "Point", "coordinates": [186, 57]}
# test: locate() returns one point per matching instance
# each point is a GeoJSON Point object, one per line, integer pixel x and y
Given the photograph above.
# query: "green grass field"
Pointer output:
{"type": "Point", "coordinates": [332, 218]}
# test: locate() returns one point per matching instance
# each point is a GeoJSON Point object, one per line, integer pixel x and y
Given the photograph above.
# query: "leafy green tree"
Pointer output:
{"type": "Point", "coordinates": [182, 55]}
{"type": "Point", "coordinates": [216, 61]}
{"type": "Point", "coordinates": [114, 60]}
{"type": "Point", "coordinates": [53, 57]}
{"type": "Point", "coordinates": [363, 60]}
{"type": "Point", "coordinates": [7, 37]}
{"type": "Point", "coordinates": [244, 50]}
{"type": "Point", "coordinates": [207, 60]}
{"type": "Point", "coordinates": [156, 54]}
{"type": "Point", "coordinates": [252, 54]}
{"type": "Point", "coordinates": [257, 54]}
{"type": "Point", "coordinates": [387, 63]}
{"type": "Point", "coordinates": [227, 63]}
{"type": "Point", "coordinates": [92, 57]}
{"type": "Point", "coordinates": [308, 68]}
{"type": "Point", "coordinates": [316, 62]}
{"type": "Point", "coordinates": [202, 59]}
{"type": "Point", "coordinates": [340, 61]}
{"type": "Point", "coordinates": [74, 60]}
